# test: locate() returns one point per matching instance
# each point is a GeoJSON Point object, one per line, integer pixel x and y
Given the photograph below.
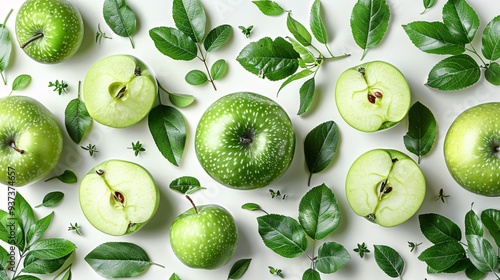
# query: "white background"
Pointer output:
{"type": "Point", "coordinates": [396, 48]}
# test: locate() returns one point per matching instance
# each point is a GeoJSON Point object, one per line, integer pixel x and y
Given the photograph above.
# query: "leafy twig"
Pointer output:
{"type": "Point", "coordinates": [276, 271]}
{"type": "Point", "coordinates": [362, 249]}
{"type": "Point", "coordinates": [137, 147]}
{"type": "Point", "coordinates": [91, 148]}
{"type": "Point", "coordinates": [247, 31]}
{"type": "Point", "coordinates": [413, 245]}
{"type": "Point", "coordinates": [442, 196]}
{"type": "Point", "coordinates": [99, 35]}
{"type": "Point", "coordinates": [277, 193]}
{"type": "Point", "coordinates": [75, 228]}
{"type": "Point", "coordinates": [60, 87]}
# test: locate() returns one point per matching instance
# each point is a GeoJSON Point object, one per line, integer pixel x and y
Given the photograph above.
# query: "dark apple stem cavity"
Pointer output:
{"type": "Point", "coordinates": [137, 71]}
{"type": "Point", "coordinates": [192, 203]}
{"type": "Point", "coordinates": [13, 146]}
{"type": "Point", "coordinates": [496, 150]}
{"type": "Point", "coordinates": [32, 39]}
{"type": "Point", "coordinates": [99, 172]}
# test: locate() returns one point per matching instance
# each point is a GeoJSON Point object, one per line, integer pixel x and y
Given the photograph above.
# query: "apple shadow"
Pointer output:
{"type": "Point", "coordinates": [164, 216]}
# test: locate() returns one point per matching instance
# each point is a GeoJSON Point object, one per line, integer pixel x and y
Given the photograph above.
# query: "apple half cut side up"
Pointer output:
{"type": "Point", "coordinates": [373, 96]}
{"type": "Point", "coordinates": [385, 186]}
{"type": "Point", "coordinates": [118, 197]}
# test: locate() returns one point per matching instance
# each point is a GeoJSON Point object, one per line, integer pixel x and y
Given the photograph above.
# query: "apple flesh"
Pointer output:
{"type": "Point", "coordinates": [204, 237]}
{"type": "Point", "coordinates": [472, 149]}
{"type": "Point", "coordinates": [385, 186]}
{"type": "Point", "coordinates": [245, 141]}
{"type": "Point", "coordinates": [31, 140]}
{"type": "Point", "coordinates": [119, 90]}
{"type": "Point", "coordinates": [372, 96]}
{"type": "Point", "coordinates": [49, 31]}
{"type": "Point", "coordinates": [118, 197]}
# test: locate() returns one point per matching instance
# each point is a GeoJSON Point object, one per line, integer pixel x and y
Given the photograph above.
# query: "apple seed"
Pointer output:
{"type": "Point", "coordinates": [119, 196]}
{"type": "Point", "coordinates": [120, 94]}
{"type": "Point", "coordinates": [371, 98]}
{"type": "Point", "coordinates": [378, 94]}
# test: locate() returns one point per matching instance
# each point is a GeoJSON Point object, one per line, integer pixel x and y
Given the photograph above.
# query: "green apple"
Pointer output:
{"type": "Point", "coordinates": [204, 236]}
{"type": "Point", "coordinates": [49, 31]}
{"type": "Point", "coordinates": [245, 140]}
{"type": "Point", "coordinates": [372, 96]}
{"type": "Point", "coordinates": [385, 186]}
{"type": "Point", "coordinates": [119, 90]}
{"type": "Point", "coordinates": [31, 140]}
{"type": "Point", "coordinates": [472, 149]}
{"type": "Point", "coordinates": [118, 197]}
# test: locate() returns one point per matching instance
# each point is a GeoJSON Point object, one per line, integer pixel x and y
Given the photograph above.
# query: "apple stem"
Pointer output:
{"type": "Point", "coordinates": [13, 145]}
{"type": "Point", "coordinates": [192, 203]}
{"type": "Point", "coordinates": [31, 40]}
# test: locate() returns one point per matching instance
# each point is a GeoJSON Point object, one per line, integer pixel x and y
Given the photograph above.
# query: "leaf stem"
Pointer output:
{"type": "Point", "coordinates": [157, 264]}
{"type": "Point", "coordinates": [204, 60]}
{"type": "Point", "coordinates": [131, 42]}
{"type": "Point", "coordinates": [473, 50]}
{"type": "Point", "coordinates": [328, 49]}
{"type": "Point", "coordinates": [7, 17]}
{"type": "Point", "coordinates": [3, 78]}
{"type": "Point", "coordinates": [161, 87]}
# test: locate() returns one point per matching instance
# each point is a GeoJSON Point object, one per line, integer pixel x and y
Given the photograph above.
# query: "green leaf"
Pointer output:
{"type": "Point", "coordinates": [173, 43]}
{"type": "Point", "coordinates": [389, 260]}
{"type": "Point", "coordinates": [491, 39]}
{"type": "Point", "coordinates": [52, 199]}
{"type": "Point", "coordinates": [120, 18]}
{"type": "Point", "coordinates": [332, 256]}
{"type": "Point", "coordinates": [443, 255]}
{"type": "Point", "coordinates": [282, 234]}
{"type": "Point", "coordinates": [38, 229]}
{"type": "Point", "coordinates": [168, 128]}
{"type": "Point", "coordinates": [458, 266]}
{"type": "Point", "coordinates": [5, 47]}
{"type": "Point", "coordinates": [68, 177]}
{"type": "Point", "coordinates": [7, 223]}
{"type": "Point", "coordinates": [25, 219]}
{"type": "Point", "coordinates": [492, 73]}
{"type": "Point", "coordinates": [473, 224]}
{"type": "Point", "coordinates": [269, 8]}
{"type": "Point", "coordinates": [320, 147]}
{"type": "Point", "coordinates": [43, 266]}
{"type": "Point", "coordinates": [369, 23]}
{"type": "Point", "coordinates": [67, 275]}
{"type": "Point", "coordinates": [118, 260]}
{"type": "Point", "coordinates": [481, 253]}
{"type": "Point", "coordinates": [319, 212]}
{"type": "Point", "coordinates": [25, 277]}
{"type": "Point", "coordinates": [454, 73]}
{"type": "Point", "coordinates": [422, 130]}
{"type": "Point", "coordinates": [196, 77]}
{"type": "Point", "coordinates": [186, 185]}
{"type": "Point", "coordinates": [3, 275]}
{"type": "Point", "coordinates": [77, 120]}
{"type": "Point", "coordinates": [217, 37]}
{"type": "Point", "coordinates": [311, 274]}
{"type": "Point", "coordinates": [218, 69]}
{"type": "Point", "coordinates": [433, 37]}
{"type": "Point", "coordinates": [181, 100]}
{"type": "Point", "coordinates": [4, 259]}
{"type": "Point", "coordinates": [299, 31]}
{"type": "Point", "coordinates": [21, 82]}
{"type": "Point", "coordinates": [461, 20]}
{"type": "Point", "coordinates": [473, 273]}
{"type": "Point", "coordinates": [51, 248]}
{"type": "Point", "coordinates": [491, 220]}
{"type": "Point", "coordinates": [428, 4]}
{"type": "Point", "coordinates": [437, 228]}
{"type": "Point", "coordinates": [239, 268]}
{"type": "Point", "coordinates": [306, 95]}
{"type": "Point", "coordinates": [299, 75]}
{"type": "Point", "coordinates": [174, 277]}
{"type": "Point", "coordinates": [316, 23]}
{"type": "Point", "coordinates": [251, 206]}
{"type": "Point", "coordinates": [306, 55]}
{"type": "Point", "coordinates": [189, 17]}
{"type": "Point", "coordinates": [270, 59]}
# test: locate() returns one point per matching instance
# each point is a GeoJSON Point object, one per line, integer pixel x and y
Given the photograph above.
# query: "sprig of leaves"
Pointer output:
{"type": "Point", "coordinates": [413, 245]}
{"type": "Point", "coordinates": [5, 47]}
{"type": "Point", "coordinates": [247, 31]}
{"type": "Point", "coordinates": [276, 271]}
{"type": "Point", "coordinates": [361, 249]}
{"type": "Point", "coordinates": [422, 130]}
{"type": "Point", "coordinates": [137, 147]}
{"type": "Point", "coordinates": [99, 35]}
{"type": "Point", "coordinates": [60, 87]}
{"type": "Point", "coordinates": [91, 148]}
{"type": "Point", "coordinates": [120, 18]}
{"type": "Point", "coordinates": [277, 194]}
{"type": "Point", "coordinates": [454, 36]}
{"type": "Point", "coordinates": [442, 196]}
{"type": "Point", "coordinates": [77, 119]}
{"type": "Point", "coordinates": [428, 4]}
{"type": "Point", "coordinates": [20, 82]}
{"type": "Point", "coordinates": [188, 41]}
{"type": "Point", "coordinates": [75, 228]}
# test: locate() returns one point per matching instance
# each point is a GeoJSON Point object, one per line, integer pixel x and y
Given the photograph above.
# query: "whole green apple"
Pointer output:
{"type": "Point", "coordinates": [472, 149]}
{"type": "Point", "coordinates": [245, 140]}
{"type": "Point", "coordinates": [31, 140]}
{"type": "Point", "coordinates": [204, 237]}
{"type": "Point", "coordinates": [49, 31]}
{"type": "Point", "coordinates": [119, 90]}
{"type": "Point", "coordinates": [385, 186]}
{"type": "Point", "coordinates": [118, 197]}
{"type": "Point", "coordinates": [372, 96]}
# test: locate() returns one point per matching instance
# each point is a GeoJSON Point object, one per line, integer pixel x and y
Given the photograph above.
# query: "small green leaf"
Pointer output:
{"type": "Point", "coordinates": [461, 20]}
{"type": "Point", "coordinates": [491, 220]}
{"type": "Point", "coordinates": [52, 248]}
{"type": "Point", "coordinates": [297, 76]}
{"type": "Point", "coordinates": [454, 73]}
{"type": "Point", "coordinates": [168, 128]}
{"type": "Point", "coordinates": [492, 73]}
{"type": "Point", "coordinates": [217, 37]}
{"type": "Point", "coordinates": [181, 100]}
{"type": "Point", "coordinates": [4, 259]}
{"type": "Point", "coordinates": [120, 18]}
{"type": "Point", "coordinates": [473, 224]}
{"type": "Point", "coordinates": [239, 268]}
{"type": "Point", "coordinates": [21, 82]}
{"type": "Point", "coordinates": [491, 39]}
{"type": "Point", "coordinates": [305, 54]}
{"type": "Point", "coordinates": [316, 23]}
{"type": "Point", "coordinates": [25, 277]}
{"type": "Point", "coordinates": [306, 91]}
{"type": "Point", "coordinates": [282, 234]}
{"type": "Point", "coordinates": [481, 253]}
{"type": "Point", "coordinates": [269, 8]}
{"type": "Point", "coordinates": [67, 274]}
{"type": "Point", "coordinates": [5, 47]}
{"type": "Point", "coordinates": [311, 274]}
{"type": "Point", "coordinates": [422, 130]}
{"type": "Point", "coordinates": [474, 274]}
{"type": "Point", "coordinates": [173, 43]}
{"type": "Point", "coordinates": [458, 266]}
{"type": "Point", "coordinates": [174, 277]}
{"type": "Point", "coordinates": [52, 199]}
{"type": "Point", "coordinates": [186, 185]}
{"type": "Point", "coordinates": [189, 17]}
{"type": "Point", "coordinates": [299, 32]}
{"type": "Point", "coordinates": [443, 255]}
{"type": "Point", "coordinates": [320, 147]}
{"type": "Point", "coordinates": [332, 256]}
{"type": "Point", "coordinates": [41, 265]}
{"type": "Point", "coordinates": [437, 228]}
{"type": "Point", "coordinates": [218, 69]}
{"type": "Point", "coordinates": [196, 77]}
{"type": "Point", "coordinates": [433, 37]}
{"type": "Point", "coordinates": [251, 207]}
{"type": "Point", "coordinates": [38, 229]}
{"type": "Point", "coordinates": [428, 4]}
{"type": "Point", "coordinates": [369, 23]}
{"type": "Point", "coordinates": [77, 120]}
{"type": "Point", "coordinates": [67, 177]}
{"type": "Point", "coordinates": [389, 260]}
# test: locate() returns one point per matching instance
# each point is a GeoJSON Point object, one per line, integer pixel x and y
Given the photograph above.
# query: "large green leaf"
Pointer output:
{"type": "Point", "coordinates": [422, 130]}
{"type": "Point", "coordinates": [217, 37]}
{"type": "Point", "coordinates": [299, 31]}
{"type": "Point", "coordinates": [437, 228]}
{"type": "Point", "coordinates": [490, 39]}
{"type": "Point", "coordinates": [51, 248]}
{"type": "Point", "coordinates": [316, 23]}
{"type": "Point", "coordinates": [120, 18]}
{"type": "Point", "coordinates": [454, 73]}
{"type": "Point", "coordinates": [282, 234]}
{"type": "Point", "coordinates": [270, 59]}
{"type": "Point", "coordinates": [369, 23]}
{"type": "Point", "coordinates": [38, 229]}
{"type": "Point", "coordinates": [433, 37]}
{"type": "Point", "coordinates": [443, 255]}
{"type": "Point", "coordinates": [389, 260]}
{"type": "Point", "coordinates": [77, 120]}
{"type": "Point", "coordinates": [461, 20]}
{"type": "Point", "coordinates": [492, 73]}
{"type": "Point", "coordinates": [320, 146]}
{"type": "Point", "coordinates": [473, 224]}
{"type": "Point", "coordinates": [189, 17]}
{"type": "Point", "coordinates": [42, 266]}
{"type": "Point", "coordinates": [491, 220]}
{"type": "Point", "coordinates": [481, 253]}
{"type": "Point", "coordinates": [332, 256]}
{"type": "Point", "coordinates": [306, 92]}
{"type": "Point", "coordinates": [173, 43]}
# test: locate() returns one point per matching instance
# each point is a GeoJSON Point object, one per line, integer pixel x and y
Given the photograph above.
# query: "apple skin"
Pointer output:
{"type": "Point", "coordinates": [204, 239]}
{"type": "Point", "coordinates": [32, 128]}
{"type": "Point", "coordinates": [60, 23]}
{"type": "Point", "coordinates": [472, 149]}
{"type": "Point", "coordinates": [245, 141]}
